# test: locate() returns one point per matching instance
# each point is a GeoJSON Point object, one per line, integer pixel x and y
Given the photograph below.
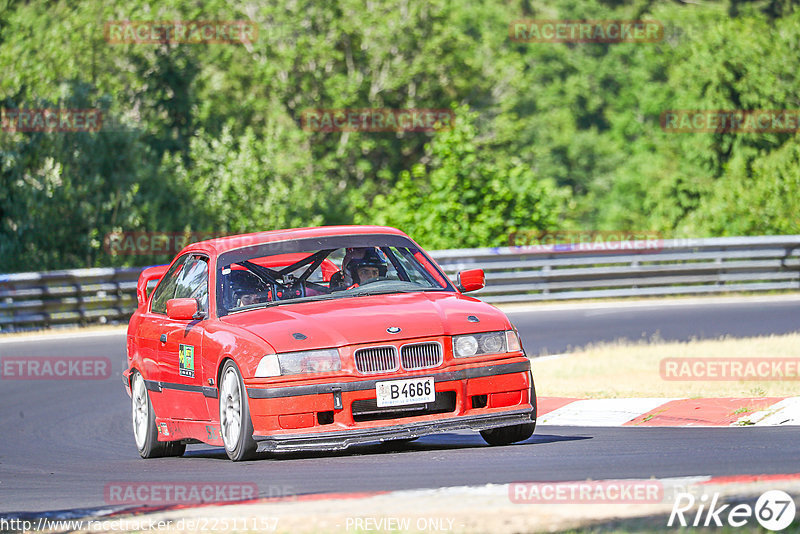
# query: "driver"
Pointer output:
{"type": "Point", "coordinates": [364, 266]}
{"type": "Point", "coordinates": [245, 288]}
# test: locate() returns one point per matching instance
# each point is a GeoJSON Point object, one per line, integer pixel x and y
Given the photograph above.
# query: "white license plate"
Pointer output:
{"type": "Point", "coordinates": [407, 391]}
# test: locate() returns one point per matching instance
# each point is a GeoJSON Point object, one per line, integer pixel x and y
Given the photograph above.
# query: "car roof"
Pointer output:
{"type": "Point", "coordinates": [224, 244]}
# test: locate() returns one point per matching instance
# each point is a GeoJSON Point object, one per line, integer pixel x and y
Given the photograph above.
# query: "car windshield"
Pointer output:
{"type": "Point", "coordinates": [337, 267]}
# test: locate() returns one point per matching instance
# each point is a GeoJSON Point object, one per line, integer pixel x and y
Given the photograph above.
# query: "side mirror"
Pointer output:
{"type": "Point", "coordinates": [182, 309]}
{"type": "Point", "coordinates": [471, 280]}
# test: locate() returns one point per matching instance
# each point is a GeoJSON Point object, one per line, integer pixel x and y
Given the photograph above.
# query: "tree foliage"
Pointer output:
{"type": "Point", "coordinates": [547, 136]}
{"type": "Point", "coordinates": [465, 197]}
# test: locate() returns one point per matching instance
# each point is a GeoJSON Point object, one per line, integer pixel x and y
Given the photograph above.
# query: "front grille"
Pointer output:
{"type": "Point", "coordinates": [376, 359]}
{"type": "Point", "coordinates": [368, 410]}
{"type": "Point", "coordinates": [421, 355]}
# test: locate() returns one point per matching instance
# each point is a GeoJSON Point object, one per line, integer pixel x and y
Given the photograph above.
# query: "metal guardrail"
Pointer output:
{"type": "Point", "coordinates": [75, 296]}
{"type": "Point", "coordinates": [631, 269]}
{"type": "Point", "coordinates": [513, 274]}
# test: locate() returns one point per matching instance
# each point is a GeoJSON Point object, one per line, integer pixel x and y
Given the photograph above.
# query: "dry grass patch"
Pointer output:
{"type": "Point", "coordinates": [625, 369]}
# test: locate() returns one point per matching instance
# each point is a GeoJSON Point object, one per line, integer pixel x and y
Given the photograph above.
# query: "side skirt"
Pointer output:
{"type": "Point", "coordinates": [197, 431]}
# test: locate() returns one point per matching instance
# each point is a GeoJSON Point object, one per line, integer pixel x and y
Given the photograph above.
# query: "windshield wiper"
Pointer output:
{"type": "Point", "coordinates": [303, 299]}
{"type": "Point", "coordinates": [313, 298]}
{"type": "Point", "coordinates": [332, 296]}
{"type": "Point", "coordinates": [390, 291]}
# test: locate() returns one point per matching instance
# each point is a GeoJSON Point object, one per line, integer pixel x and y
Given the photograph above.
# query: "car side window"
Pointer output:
{"type": "Point", "coordinates": [166, 288]}
{"type": "Point", "coordinates": [193, 282]}
{"type": "Point", "coordinates": [412, 267]}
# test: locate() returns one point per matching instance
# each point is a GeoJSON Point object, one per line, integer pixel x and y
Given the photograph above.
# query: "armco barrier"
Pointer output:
{"type": "Point", "coordinates": [513, 274]}
{"type": "Point", "coordinates": [662, 267]}
{"type": "Point", "coordinates": [76, 296]}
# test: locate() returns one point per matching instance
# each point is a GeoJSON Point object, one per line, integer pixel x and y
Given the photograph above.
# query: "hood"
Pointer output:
{"type": "Point", "coordinates": [335, 323]}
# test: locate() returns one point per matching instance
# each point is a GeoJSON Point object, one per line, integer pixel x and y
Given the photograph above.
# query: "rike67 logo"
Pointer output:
{"type": "Point", "coordinates": [774, 510]}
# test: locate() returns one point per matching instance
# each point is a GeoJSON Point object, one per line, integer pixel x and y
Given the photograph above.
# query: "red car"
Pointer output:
{"type": "Point", "coordinates": [318, 338]}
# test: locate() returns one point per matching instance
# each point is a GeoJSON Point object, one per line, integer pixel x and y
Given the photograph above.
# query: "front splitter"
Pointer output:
{"type": "Point", "coordinates": [342, 440]}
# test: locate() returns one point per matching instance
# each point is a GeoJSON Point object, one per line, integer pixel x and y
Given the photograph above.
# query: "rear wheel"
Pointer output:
{"type": "Point", "coordinates": [234, 415]}
{"type": "Point", "coordinates": [511, 434]}
{"type": "Point", "coordinates": [145, 433]}
{"type": "Point", "coordinates": [174, 448]}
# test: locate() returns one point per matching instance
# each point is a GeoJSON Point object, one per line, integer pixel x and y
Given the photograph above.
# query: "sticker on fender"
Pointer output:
{"type": "Point", "coordinates": [408, 391]}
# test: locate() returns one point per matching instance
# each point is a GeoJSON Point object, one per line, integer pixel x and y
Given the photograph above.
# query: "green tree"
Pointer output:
{"type": "Point", "coordinates": [463, 197]}
{"type": "Point", "coordinates": [61, 193]}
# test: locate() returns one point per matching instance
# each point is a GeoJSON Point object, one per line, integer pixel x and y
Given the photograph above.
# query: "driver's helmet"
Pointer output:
{"type": "Point", "coordinates": [365, 257]}
{"type": "Point", "coordinates": [242, 283]}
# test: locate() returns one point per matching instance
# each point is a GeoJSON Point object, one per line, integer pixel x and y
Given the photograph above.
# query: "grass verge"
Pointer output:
{"type": "Point", "coordinates": [624, 369]}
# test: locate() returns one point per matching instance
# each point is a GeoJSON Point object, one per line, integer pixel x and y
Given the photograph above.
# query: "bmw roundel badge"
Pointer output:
{"type": "Point", "coordinates": [393, 329]}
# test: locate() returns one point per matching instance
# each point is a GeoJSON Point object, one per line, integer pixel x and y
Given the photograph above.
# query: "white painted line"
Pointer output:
{"type": "Point", "coordinates": [55, 335]}
{"type": "Point", "coordinates": [548, 357]}
{"type": "Point", "coordinates": [544, 307]}
{"type": "Point", "coordinates": [685, 481]}
{"type": "Point", "coordinates": [785, 412]}
{"type": "Point", "coordinates": [601, 412]}
{"type": "Point", "coordinates": [501, 490]}
{"type": "Point", "coordinates": [671, 485]}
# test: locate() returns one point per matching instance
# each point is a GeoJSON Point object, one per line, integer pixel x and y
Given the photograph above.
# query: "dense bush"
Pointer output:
{"type": "Point", "coordinates": [547, 136]}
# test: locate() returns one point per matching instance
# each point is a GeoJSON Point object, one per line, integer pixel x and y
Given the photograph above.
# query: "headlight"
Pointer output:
{"type": "Point", "coordinates": [486, 343]}
{"type": "Point", "coordinates": [295, 363]}
{"type": "Point", "coordinates": [465, 346]}
{"type": "Point", "coordinates": [493, 344]}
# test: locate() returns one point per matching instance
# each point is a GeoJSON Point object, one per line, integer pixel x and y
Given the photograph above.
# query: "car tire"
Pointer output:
{"type": "Point", "coordinates": [174, 448]}
{"type": "Point", "coordinates": [508, 434]}
{"type": "Point", "coordinates": [397, 444]}
{"type": "Point", "coordinates": [512, 434]}
{"type": "Point", "coordinates": [145, 433]}
{"type": "Point", "coordinates": [236, 426]}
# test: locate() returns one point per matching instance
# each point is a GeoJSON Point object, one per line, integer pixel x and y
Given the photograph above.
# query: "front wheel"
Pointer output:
{"type": "Point", "coordinates": [508, 434]}
{"type": "Point", "coordinates": [145, 433]}
{"type": "Point", "coordinates": [397, 444]}
{"type": "Point", "coordinates": [512, 434]}
{"type": "Point", "coordinates": [234, 415]}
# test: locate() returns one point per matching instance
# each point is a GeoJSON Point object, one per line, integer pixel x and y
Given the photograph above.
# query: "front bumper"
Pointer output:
{"type": "Point", "coordinates": [342, 440]}
{"type": "Point", "coordinates": [324, 415]}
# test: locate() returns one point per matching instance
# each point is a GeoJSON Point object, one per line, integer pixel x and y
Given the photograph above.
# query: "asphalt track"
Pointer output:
{"type": "Point", "coordinates": [63, 441]}
{"type": "Point", "coordinates": [559, 329]}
